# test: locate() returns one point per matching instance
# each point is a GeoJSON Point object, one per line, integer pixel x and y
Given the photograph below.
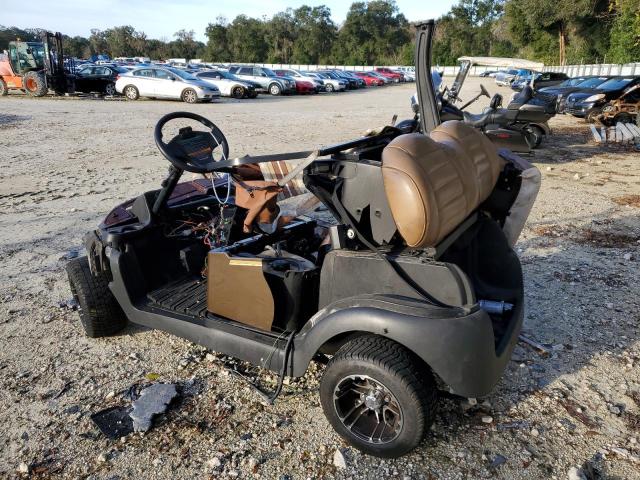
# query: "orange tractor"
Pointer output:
{"type": "Point", "coordinates": [35, 67]}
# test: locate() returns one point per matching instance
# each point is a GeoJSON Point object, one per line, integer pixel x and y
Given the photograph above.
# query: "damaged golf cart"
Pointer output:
{"type": "Point", "coordinates": [521, 126]}
{"type": "Point", "coordinates": [414, 287]}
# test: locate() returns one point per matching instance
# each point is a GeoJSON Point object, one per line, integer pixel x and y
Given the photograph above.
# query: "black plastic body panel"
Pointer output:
{"type": "Point", "coordinates": [458, 347]}
{"type": "Point", "coordinates": [347, 273]}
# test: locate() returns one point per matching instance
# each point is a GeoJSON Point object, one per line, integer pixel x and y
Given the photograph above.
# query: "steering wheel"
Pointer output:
{"type": "Point", "coordinates": [192, 150]}
{"type": "Point", "coordinates": [483, 91]}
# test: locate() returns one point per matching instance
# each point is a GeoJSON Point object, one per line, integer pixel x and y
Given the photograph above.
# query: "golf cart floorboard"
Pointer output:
{"type": "Point", "coordinates": [187, 296]}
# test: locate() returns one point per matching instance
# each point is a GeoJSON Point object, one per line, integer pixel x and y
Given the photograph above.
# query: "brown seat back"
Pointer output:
{"type": "Point", "coordinates": [433, 183]}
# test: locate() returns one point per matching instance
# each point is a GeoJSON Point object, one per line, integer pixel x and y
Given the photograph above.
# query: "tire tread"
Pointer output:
{"type": "Point", "coordinates": [100, 314]}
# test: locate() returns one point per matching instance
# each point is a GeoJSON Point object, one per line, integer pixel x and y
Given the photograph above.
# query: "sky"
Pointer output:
{"type": "Point", "coordinates": [161, 19]}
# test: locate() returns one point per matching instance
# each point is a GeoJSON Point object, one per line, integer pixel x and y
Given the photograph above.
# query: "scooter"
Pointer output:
{"type": "Point", "coordinates": [520, 127]}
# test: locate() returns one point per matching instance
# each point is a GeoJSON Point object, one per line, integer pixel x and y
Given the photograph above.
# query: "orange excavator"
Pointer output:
{"type": "Point", "coordinates": [35, 67]}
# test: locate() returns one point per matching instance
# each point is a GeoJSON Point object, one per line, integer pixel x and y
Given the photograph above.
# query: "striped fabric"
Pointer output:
{"type": "Point", "coordinates": [274, 171]}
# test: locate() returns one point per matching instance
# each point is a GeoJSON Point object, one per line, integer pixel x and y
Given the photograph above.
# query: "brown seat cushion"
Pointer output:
{"type": "Point", "coordinates": [433, 183]}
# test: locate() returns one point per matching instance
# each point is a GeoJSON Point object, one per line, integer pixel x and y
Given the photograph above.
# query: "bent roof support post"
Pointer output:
{"type": "Point", "coordinates": [429, 116]}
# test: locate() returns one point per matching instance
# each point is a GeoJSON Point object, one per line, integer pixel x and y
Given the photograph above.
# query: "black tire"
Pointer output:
{"type": "Point", "coordinates": [592, 115]}
{"type": "Point", "coordinates": [275, 89]}
{"type": "Point", "coordinates": [189, 95]}
{"type": "Point", "coordinates": [623, 118]}
{"type": "Point", "coordinates": [100, 314]}
{"type": "Point", "coordinates": [253, 94]}
{"type": "Point", "coordinates": [3, 89]}
{"type": "Point", "coordinates": [110, 89]}
{"type": "Point", "coordinates": [407, 386]}
{"type": "Point", "coordinates": [238, 92]}
{"type": "Point", "coordinates": [330, 88]}
{"type": "Point", "coordinates": [131, 92]}
{"type": "Point", "coordinates": [35, 84]}
{"type": "Point", "coordinates": [537, 135]}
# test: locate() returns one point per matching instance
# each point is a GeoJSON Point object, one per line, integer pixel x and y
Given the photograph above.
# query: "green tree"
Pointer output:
{"type": "Point", "coordinates": [316, 34]}
{"type": "Point", "coordinates": [280, 35]}
{"type": "Point", "coordinates": [373, 33]}
{"type": "Point", "coordinates": [625, 31]}
{"type": "Point", "coordinates": [217, 48]}
{"type": "Point", "coordinates": [247, 39]}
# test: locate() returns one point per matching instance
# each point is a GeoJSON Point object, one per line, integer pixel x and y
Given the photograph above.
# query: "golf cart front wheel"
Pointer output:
{"type": "Point", "coordinates": [378, 396]}
{"type": "Point", "coordinates": [100, 314]}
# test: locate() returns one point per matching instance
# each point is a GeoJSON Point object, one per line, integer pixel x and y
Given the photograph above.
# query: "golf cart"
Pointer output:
{"type": "Point", "coordinates": [413, 288]}
{"type": "Point", "coordinates": [521, 126]}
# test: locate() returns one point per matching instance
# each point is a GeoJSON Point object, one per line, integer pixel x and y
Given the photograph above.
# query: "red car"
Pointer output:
{"type": "Point", "coordinates": [302, 86]}
{"type": "Point", "coordinates": [369, 79]}
{"type": "Point", "coordinates": [387, 72]}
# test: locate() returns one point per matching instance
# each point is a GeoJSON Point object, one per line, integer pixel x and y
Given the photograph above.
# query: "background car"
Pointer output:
{"type": "Point", "coordinates": [330, 84]}
{"type": "Point", "coordinates": [370, 80]}
{"type": "Point", "coordinates": [300, 75]}
{"type": "Point", "coordinates": [540, 80]}
{"type": "Point", "coordinates": [228, 84]}
{"type": "Point", "coordinates": [165, 82]}
{"type": "Point", "coordinates": [350, 83]}
{"type": "Point", "coordinates": [625, 109]}
{"type": "Point", "coordinates": [267, 78]}
{"type": "Point", "coordinates": [489, 73]}
{"type": "Point", "coordinates": [588, 103]}
{"type": "Point", "coordinates": [98, 78]}
{"type": "Point", "coordinates": [505, 78]}
{"type": "Point", "coordinates": [408, 72]}
{"type": "Point", "coordinates": [360, 81]}
{"type": "Point", "coordinates": [387, 72]}
{"type": "Point", "coordinates": [386, 80]}
{"type": "Point", "coordinates": [561, 91]}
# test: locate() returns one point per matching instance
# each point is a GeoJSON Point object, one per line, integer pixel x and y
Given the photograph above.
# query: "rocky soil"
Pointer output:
{"type": "Point", "coordinates": [570, 411]}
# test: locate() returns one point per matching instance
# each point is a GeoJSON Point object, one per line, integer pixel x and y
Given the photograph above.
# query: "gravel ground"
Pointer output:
{"type": "Point", "coordinates": [573, 412]}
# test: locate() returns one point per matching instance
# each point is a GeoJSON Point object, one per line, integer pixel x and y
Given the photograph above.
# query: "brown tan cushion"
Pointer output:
{"type": "Point", "coordinates": [432, 186]}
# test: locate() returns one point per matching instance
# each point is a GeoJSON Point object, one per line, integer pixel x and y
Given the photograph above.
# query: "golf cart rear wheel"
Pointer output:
{"type": "Point", "coordinates": [100, 314]}
{"type": "Point", "coordinates": [378, 396]}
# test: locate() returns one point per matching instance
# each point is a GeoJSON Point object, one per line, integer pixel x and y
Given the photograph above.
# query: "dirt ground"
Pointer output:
{"type": "Point", "coordinates": [65, 162]}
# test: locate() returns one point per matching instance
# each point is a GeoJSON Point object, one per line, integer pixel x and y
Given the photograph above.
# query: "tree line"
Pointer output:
{"type": "Point", "coordinates": [377, 33]}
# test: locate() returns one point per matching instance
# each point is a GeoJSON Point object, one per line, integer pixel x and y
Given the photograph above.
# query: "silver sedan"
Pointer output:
{"type": "Point", "coordinates": [165, 82]}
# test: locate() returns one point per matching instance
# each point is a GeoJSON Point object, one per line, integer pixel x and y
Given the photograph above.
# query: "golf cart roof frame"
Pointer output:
{"type": "Point", "coordinates": [467, 62]}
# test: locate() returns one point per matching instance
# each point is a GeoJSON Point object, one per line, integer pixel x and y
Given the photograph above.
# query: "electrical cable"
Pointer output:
{"type": "Point", "coordinates": [215, 191]}
{"type": "Point", "coordinates": [270, 398]}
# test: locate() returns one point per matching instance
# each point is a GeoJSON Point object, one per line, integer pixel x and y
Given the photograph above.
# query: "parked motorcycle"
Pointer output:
{"type": "Point", "coordinates": [520, 127]}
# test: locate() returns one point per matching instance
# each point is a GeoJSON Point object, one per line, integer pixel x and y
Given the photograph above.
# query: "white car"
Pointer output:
{"type": "Point", "coordinates": [165, 82]}
{"type": "Point", "coordinates": [408, 72]}
{"type": "Point", "coordinates": [228, 84]}
{"type": "Point", "coordinates": [330, 84]}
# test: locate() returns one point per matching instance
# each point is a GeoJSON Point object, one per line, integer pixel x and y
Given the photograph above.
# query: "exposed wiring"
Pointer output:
{"type": "Point", "coordinates": [270, 398]}
{"type": "Point", "coordinates": [213, 185]}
